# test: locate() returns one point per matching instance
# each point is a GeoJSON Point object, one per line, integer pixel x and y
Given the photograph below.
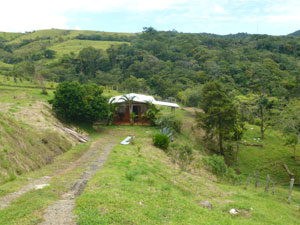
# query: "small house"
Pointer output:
{"type": "Point", "coordinates": [137, 104]}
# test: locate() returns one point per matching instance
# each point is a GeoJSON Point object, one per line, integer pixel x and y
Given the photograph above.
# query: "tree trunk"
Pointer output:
{"type": "Point", "coordinates": [221, 144]}
{"type": "Point", "coordinates": [237, 153]}
{"type": "Point", "coordinates": [262, 132]}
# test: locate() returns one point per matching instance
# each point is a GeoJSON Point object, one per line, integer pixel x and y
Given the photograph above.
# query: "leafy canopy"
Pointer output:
{"type": "Point", "coordinates": [220, 114]}
{"type": "Point", "coordinates": [79, 103]}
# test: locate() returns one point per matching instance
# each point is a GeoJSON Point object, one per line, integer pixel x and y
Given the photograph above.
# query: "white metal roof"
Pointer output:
{"type": "Point", "coordinates": [142, 99]}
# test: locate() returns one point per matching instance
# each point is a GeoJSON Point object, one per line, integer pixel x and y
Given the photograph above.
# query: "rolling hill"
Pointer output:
{"type": "Point", "coordinates": [296, 33]}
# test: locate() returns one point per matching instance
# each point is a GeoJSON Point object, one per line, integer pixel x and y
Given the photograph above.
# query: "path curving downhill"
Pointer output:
{"type": "Point", "coordinates": [61, 211]}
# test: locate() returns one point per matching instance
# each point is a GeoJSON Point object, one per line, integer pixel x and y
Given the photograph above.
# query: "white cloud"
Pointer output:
{"type": "Point", "coordinates": [21, 15]}
{"type": "Point", "coordinates": [219, 9]}
{"type": "Point", "coordinates": [77, 27]}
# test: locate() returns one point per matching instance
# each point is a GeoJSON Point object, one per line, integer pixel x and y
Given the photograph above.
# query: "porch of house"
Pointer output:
{"type": "Point", "coordinates": [122, 115]}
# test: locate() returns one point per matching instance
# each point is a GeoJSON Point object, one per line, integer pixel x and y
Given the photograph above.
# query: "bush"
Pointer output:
{"type": "Point", "coordinates": [217, 165]}
{"type": "Point", "coordinates": [257, 122]}
{"type": "Point", "coordinates": [161, 140]}
{"type": "Point", "coordinates": [79, 103]}
{"type": "Point", "coordinates": [44, 91]}
{"type": "Point", "coordinates": [182, 155]}
{"type": "Point", "coordinates": [220, 169]}
{"type": "Point", "coordinates": [170, 121]}
{"type": "Point", "coordinates": [151, 114]}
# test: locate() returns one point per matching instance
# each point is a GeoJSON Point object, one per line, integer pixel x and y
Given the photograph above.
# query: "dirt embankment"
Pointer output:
{"type": "Point", "coordinates": [29, 138]}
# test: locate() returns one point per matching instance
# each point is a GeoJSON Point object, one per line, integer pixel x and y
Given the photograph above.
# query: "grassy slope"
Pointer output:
{"type": "Point", "coordinates": [29, 207]}
{"type": "Point", "coordinates": [57, 33]}
{"type": "Point", "coordinates": [270, 158]}
{"type": "Point", "coordinates": [22, 146]}
{"type": "Point", "coordinates": [9, 81]}
{"type": "Point", "coordinates": [61, 41]}
{"type": "Point", "coordinates": [144, 187]}
{"type": "Point", "coordinates": [76, 45]}
{"type": "Point", "coordinates": [5, 65]}
{"type": "Point", "coordinates": [9, 35]}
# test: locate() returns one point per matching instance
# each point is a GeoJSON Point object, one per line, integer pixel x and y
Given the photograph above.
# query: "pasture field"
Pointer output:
{"type": "Point", "coordinates": [76, 45]}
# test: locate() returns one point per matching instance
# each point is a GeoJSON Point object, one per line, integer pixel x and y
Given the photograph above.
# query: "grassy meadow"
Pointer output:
{"type": "Point", "coordinates": [140, 185]}
{"type": "Point", "coordinates": [76, 45]}
{"type": "Point", "coordinates": [55, 34]}
{"type": "Point", "coordinates": [270, 158]}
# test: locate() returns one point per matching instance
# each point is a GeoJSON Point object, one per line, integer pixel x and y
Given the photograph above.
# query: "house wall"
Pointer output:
{"type": "Point", "coordinates": [122, 115]}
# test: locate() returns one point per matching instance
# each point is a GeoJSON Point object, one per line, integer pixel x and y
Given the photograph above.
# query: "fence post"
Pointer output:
{"type": "Point", "coordinates": [273, 188]}
{"type": "Point", "coordinates": [248, 181]}
{"type": "Point", "coordinates": [291, 188]}
{"type": "Point", "coordinates": [256, 179]}
{"type": "Point", "coordinates": [268, 183]}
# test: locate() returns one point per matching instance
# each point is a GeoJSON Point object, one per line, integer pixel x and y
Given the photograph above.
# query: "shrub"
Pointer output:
{"type": "Point", "coordinates": [44, 91]}
{"type": "Point", "coordinates": [81, 103]}
{"type": "Point", "coordinates": [161, 140]}
{"type": "Point", "coordinates": [220, 169]}
{"type": "Point", "coordinates": [151, 114]}
{"type": "Point", "coordinates": [217, 165]}
{"type": "Point", "coordinates": [257, 122]}
{"type": "Point", "coordinates": [170, 121]}
{"type": "Point", "coordinates": [182, 155]}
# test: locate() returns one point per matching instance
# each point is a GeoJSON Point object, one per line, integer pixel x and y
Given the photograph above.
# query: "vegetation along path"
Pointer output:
{"type": "Point", "coordinates": [61, 211]}
{"type": "Point", "coordinates": [73, 177]}
{"type": "Point", "coordinates": [6, 200]}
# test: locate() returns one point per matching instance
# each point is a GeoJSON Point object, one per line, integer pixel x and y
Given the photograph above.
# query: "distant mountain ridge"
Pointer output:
{"type": "Point", "coordinates": [296, 33]}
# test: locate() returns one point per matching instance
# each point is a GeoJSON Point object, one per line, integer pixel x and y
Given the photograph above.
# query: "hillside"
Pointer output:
{"type": "Point", "coordinates": [296, 33]}
{"type": "Point", "coordinates": [147, 183]}
{"type": "Point", "coordinates": [29, 138]}
{"type": "Point", "coordinates": [143, 179]}
{"type": "Point", "coordinates": [103, 182]}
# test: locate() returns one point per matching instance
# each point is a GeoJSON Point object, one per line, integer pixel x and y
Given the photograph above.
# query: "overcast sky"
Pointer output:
{"type": "Point", "coordinates": [276, 17]}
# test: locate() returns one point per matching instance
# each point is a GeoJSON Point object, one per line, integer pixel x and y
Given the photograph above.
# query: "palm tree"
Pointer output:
{"type": "Point", "coordinates": [129, 100]}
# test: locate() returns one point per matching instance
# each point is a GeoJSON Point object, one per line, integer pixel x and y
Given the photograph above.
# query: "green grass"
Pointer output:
{"type": "Point", "coordinates": [5, 65]}
{"type": "Point", "coordinates": [76, 45]}
{"type": "Point", "coordinates": [18, 84]}
{"type": "Point", "coordinates": [9, 35]}
{"type": "Point", "coordinates": [270, 158]}
{"type": "Point", "coordinates": [32, 48]}
{"type": "Point", "coordinates": [57, 33]}
{"type": "Point", "coordinates": [144, 187]}
{"type": "Point", "coordinates": [29, 207]}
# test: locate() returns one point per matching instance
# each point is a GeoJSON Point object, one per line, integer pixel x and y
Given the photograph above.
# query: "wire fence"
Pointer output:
{"type": "Point", "coordinates": [270, 185]}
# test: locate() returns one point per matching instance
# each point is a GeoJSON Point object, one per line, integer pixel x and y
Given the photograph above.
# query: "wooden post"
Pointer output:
{"type": "Point", "coordinates": [268, 183]}
{"type": "Point", "coordinates": [291, 188]}
{"type": "Point", "coordinates": [273, 188]}
{"type": "Point", "coordinates": [248, 181]}
{"type": "Point", "coordinates": [256, 179]}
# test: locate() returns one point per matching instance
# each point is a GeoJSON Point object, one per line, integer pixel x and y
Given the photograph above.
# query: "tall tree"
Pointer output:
{"type": "Point", "coordinates": [220, 114]}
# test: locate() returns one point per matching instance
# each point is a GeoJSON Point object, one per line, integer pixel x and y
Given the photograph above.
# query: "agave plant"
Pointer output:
{"type": "Point", "coordinates": [167, 131]}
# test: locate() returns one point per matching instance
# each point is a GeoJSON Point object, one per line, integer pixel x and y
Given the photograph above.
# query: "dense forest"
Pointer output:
{"type": "Point", "coordinates": [259, 72]}
{"type": "Point", "coordinates": [167, 64]}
